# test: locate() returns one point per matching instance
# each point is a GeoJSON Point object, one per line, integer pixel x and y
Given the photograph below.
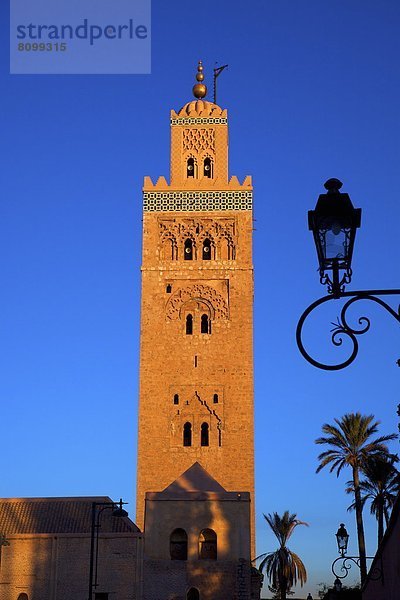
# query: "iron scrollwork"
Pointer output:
{"type": "Point", "coordinates": [375, 573]}
{"type": "Point", "coordinates": [341, 327]}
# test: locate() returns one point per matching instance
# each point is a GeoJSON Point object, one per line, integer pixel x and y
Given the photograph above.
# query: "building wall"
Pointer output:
{"type": "Point", "coordinates": [227, 577]}
{"type": "Point", "coordinates": [383, 582]}
{"type": "Point", "coordinates": [56, 567]}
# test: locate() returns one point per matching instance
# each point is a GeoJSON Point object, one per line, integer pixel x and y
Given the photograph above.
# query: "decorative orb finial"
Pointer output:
{"type": "Point", "coordinates": [333, 185]}
{"type": "Point", "coordinates": [199, 89]}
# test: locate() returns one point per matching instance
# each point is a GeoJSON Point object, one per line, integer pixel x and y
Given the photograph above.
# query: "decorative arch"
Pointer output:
{"type": "Point", "coordinates": [178, 544]}
{"type": "Point", "coordinates": [193, 594]}
{"type": "Point", "coordinates": [187, 434]}
{"type": "Point", "coordinates": [202, 293]}
{"type": "Point", "coordinates": [189, 324]}
{"type": "Point", "coordinates": [208, 166]}
{"type": "Point", "coordinates": [205, 434]}
{"type": "Point", "coordinates": [191, 166]}
{"type": "Point", "coordinates": [227, 248]}
{"type": "Point", "coordinates": [208, 248]}
{"type": "Point", "coordinates": [208, 544]}
{"type": "Point", "coordinates": [205, 323]}
{"type": "Point", "coordinates": [188, 249]}
{"type": "Point", "coordinates": [169, 247]}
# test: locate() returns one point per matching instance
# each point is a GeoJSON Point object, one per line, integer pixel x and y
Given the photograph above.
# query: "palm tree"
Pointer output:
{"type": "Point", "coordinates": [381, 486]}
{"type": "Point", "coordinates": [283, 567]}
{"type": "Point", "coordinates": [351, 445]}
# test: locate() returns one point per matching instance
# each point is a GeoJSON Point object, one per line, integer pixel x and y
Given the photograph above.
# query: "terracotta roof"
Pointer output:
{"type": "Point", "coordinates": [57, 515]}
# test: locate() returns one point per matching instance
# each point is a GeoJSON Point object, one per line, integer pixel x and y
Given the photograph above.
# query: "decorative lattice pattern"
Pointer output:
{"type": "Point", "coordinates": [197, 201]}
{"type": "Point", "coordinates": [200, 121]}
{"type": "Point", "coordinates": [198, 140]}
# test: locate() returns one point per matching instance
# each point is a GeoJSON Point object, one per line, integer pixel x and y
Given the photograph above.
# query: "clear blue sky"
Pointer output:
{"type": "Point", "coordinates": [313, 92]}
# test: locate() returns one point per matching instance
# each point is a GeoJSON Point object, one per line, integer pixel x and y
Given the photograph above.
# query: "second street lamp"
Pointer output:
{"type": "Point", "coordinates": [342, 538]}
{"type": "Point", "coordinates": [117, 511]}
{"type": "Point", "coordinates": [342, 565]}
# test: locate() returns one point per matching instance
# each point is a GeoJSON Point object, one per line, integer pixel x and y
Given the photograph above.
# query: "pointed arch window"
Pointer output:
{"type": "Point", "coordinates": [193, 594]}
{"type": "Point", "coordinates": [205, 326]}
{"type": "Point", "coordinates": [178, 543]}
{"type": "Point", "coordinates": [227, 249]}
{"type": "Point", "coordinates": [188, 250]}
{"type": "Point", "coordinates": [208, 544]}
{"type": "Point", "coordinates": [208, 167]}
{"type": "Point", "coordinates": [191, 168]}
{"type": "Point", "coordinates": [189, 324]}
{"type": "Point", "coordinates": [187, 434]}
{"type": "Point", "coordinates": [204, 436]}
{"type": "Point", "coordinates": [207, 249]}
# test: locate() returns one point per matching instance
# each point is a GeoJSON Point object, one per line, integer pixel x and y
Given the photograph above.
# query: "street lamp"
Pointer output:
{"type": "Point", "coordinates": [334, 222]}
{"type": "Point", "coordinates": [118, 512]}
{"type": "Point", "coordinates": [342, 538]}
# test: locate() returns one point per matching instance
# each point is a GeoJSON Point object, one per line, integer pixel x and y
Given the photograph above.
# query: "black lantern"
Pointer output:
{"type": "Point", "coordinates": [342, 539]}
{"type": "Point", "coordinates": [333, 223]}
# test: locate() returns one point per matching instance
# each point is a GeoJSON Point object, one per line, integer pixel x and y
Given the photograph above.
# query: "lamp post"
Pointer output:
{"type": "Point", "coordinates": [342, 538]}
{"type": "Point", "coordinates": [118, 511]}
{"type": "Point", "coordinates": [334, 222]}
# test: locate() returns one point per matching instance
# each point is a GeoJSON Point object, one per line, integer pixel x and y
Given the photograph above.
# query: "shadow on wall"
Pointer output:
{"type": "Point", "coordinates": [197, 540]}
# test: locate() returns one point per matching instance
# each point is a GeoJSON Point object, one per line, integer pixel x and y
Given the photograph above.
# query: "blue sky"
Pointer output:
{"type": "Point", "coordinates": [312, 91]}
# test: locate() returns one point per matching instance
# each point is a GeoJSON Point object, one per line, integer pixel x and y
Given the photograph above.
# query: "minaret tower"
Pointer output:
{"type": "Point", "coordinates": [196, 348]}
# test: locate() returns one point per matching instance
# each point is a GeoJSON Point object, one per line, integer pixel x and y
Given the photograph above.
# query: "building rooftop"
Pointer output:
{"type": "Point", "coordinates": [57, 515]}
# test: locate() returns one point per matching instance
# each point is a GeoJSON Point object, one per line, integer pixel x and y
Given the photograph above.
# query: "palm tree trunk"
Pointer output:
{"type": "Point", "coordinates": [380, 520]}
{"type": "Point", "coordinates": [283, 594]}
{"type": "Point", "coordinates": [386, 513]}
{"type": "Point", "coordinates": [283, 587]}
{"type": "Point", "coordinates": [360, 525]}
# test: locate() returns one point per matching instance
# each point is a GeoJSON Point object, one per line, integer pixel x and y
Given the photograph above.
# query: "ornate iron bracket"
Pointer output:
{"type": "Point", "coordinates": [375, 574]}
{"type": "Point", "coordinates": [342, 328]}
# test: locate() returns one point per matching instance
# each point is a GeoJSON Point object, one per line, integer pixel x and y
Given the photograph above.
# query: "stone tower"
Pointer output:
{"type": "Point", "coordinates": [196, 348]}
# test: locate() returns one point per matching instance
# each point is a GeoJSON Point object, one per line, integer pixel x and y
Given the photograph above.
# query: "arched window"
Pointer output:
{"type": "Point", "coordinates": [178, 544]}
{"type": "Point", "coordinates": [191, 167]}
{"type": "Point", "coordinates": [227, 249]}
{"type": "Point", "coordinates": [208, 544]}
{"type": "Point", "coordinates": [206, 249]}
{"type": "Point", "coordinates": [187, 434]}
{"type": "Point", "coordinates": [193, 594]}
{"type": "Point", "coordinates": [204, 436]}
{"type": "Point", "coordinates": [208, 167]}
{"type": "Point", "coordinates": [215, 399]}
{"type": "Point", "coordinates": [205, 324]}
{"type": "Point", "coordinates": [176, 398]}
{"type": "Point", "coordinates": [188, 253]}
{"type": "Point", "coordinates": [168, 289]}
{"type": "Point", "coordinates": [189, 324]}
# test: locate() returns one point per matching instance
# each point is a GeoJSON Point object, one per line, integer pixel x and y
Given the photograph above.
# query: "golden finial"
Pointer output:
{"type": "Point", "coordinates": [200, 89]}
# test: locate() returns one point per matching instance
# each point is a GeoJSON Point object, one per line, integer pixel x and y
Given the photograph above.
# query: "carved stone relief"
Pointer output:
{"type": "Point", "coordinates": [218, 306]}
